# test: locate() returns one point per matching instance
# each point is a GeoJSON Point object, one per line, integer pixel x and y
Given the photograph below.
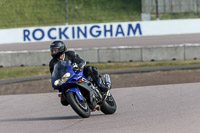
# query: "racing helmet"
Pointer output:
{"type": "Point", "coordinates": [57, 49]}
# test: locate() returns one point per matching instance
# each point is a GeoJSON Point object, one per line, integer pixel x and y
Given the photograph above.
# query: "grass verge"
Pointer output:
{"type": "Point", "coordinates": [99, 11]}
{"type": "Point", "coordinates": [16, 72]}
{"type": "Point", "coordinates": [25, 13]}
{"type": "Point", "coordinates": [29, 13]}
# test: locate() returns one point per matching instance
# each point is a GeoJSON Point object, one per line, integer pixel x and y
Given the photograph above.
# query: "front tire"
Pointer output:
{"type": "Point", "coordinates": [109, 105]}
{"type": "Point", "coordinates": [80, 107]}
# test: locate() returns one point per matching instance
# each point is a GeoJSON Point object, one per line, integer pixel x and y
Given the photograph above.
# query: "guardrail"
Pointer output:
{"type": "Point", "coordinates": [114, 54]}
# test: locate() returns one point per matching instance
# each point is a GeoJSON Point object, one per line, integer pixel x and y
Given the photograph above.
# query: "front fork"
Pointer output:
{"type": "Point", "coordinates": [77, 92]}
{"type": "Point", "coordinates": [107, 95]}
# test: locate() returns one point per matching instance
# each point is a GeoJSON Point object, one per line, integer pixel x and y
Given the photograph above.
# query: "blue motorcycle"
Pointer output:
{"type": "Point", "coordinates": [80, 92]}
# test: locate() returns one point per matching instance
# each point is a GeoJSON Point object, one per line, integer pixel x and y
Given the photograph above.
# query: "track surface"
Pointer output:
{"type": "Point", "coordinates": [150, 109]}
{"type": "Point", "coordinates": [130, 41]}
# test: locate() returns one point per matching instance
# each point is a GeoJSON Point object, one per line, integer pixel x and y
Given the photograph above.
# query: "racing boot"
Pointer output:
{"type": "Point", "coordinates": [104, 85]}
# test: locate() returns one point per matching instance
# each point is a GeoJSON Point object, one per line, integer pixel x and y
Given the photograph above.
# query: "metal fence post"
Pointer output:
{"type": "Point", "coordinates": [66, 13]}
{"type": "Point", "coordinates": [157, 13]}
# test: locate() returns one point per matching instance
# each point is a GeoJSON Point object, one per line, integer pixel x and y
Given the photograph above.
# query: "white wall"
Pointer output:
{"type": "Point", "coordinates": [101, 30]}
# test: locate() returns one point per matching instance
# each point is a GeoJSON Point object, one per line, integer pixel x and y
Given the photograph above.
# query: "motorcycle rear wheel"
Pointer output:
{"type": "Point", "coordinates": [80, 107]}
{"type": "Point", "coordinates": [109, 105]}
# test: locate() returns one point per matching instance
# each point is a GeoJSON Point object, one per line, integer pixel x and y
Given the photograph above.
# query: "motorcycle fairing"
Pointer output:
{"type": "Point", "coordinates": [92, 93]}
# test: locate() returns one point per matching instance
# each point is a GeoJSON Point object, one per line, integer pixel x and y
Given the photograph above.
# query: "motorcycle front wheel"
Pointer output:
{"type": "Point", "coordinates": [79, 106]}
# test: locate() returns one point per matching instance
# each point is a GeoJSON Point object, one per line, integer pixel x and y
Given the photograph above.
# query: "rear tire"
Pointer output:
{"type": "Point", "coordinates": [80, 107]}
{"type": "Point", "coordinates": [109, 105]}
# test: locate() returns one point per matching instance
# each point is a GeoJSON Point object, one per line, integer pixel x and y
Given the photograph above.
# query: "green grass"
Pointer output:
{"type": "Point", "coordinates": [24, 13]}
{"type": "Point", "coordinates": [128, 65]}
{"type": "Point", "coordinates": [97, 11]}
{"type": "Point", "coordinates": [29, 13]}
{"type": "Point", "coordinates": [15, 72]}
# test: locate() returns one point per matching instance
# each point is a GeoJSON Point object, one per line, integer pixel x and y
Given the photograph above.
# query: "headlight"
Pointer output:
{"type": "Point", "coordinates": [57, 82]}
{"type": "Point", "coordinates": [67, 75]}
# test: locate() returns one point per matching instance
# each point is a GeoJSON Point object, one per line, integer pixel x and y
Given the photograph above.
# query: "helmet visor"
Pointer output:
{"type": "Point", "coordinates": [54, 51]}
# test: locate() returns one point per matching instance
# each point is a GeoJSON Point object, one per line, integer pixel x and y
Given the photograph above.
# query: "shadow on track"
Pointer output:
{"type": "Point", "coordinates": [47, 118]}
{"type": "Point", "coordinates": [42, 118]}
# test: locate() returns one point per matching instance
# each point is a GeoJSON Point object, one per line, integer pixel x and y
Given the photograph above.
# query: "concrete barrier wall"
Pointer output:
{"type": "Point", "coordinates": [130, 54]}
{"type": "Point", "coordinates": [109, 55]}
{"type": "Point", "coordinates": [163, 53]}
{"type": "Point", "coordinates": [30, 58]}
{"type": "Point", "coordinates": [89, 55]}
{"type": "Point", "coordinates": [118, 54]}
{"type": "Point", "coordinates": [192, 52]}
{"type": "Point", "coordinates": [5, 59]}
{"type": "Point", "coordinates": [24, 58]}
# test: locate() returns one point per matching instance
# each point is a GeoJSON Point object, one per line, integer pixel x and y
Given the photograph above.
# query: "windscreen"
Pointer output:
{"type": "Point", "coordinates": [59, 70]}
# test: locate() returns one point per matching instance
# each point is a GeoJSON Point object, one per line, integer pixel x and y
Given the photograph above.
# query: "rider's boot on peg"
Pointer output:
{"type": "Point", "coordinates": [104, 85]}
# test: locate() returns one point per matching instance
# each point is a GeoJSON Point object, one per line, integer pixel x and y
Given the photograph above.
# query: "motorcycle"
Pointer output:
{"type": "Point", "coordinates": [79, 92]}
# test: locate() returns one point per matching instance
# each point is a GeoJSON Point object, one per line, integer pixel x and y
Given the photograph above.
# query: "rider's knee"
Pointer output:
{"type": "Point", "coordinates": [91, 71]}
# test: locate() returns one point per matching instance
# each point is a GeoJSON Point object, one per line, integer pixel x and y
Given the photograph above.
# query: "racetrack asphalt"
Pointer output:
{"type": "Point", "coordinates": [150, 109]}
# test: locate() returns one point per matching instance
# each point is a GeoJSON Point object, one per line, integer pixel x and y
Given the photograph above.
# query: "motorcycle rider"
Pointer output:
{"type": "Point", "coordinates": [59, 52]}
